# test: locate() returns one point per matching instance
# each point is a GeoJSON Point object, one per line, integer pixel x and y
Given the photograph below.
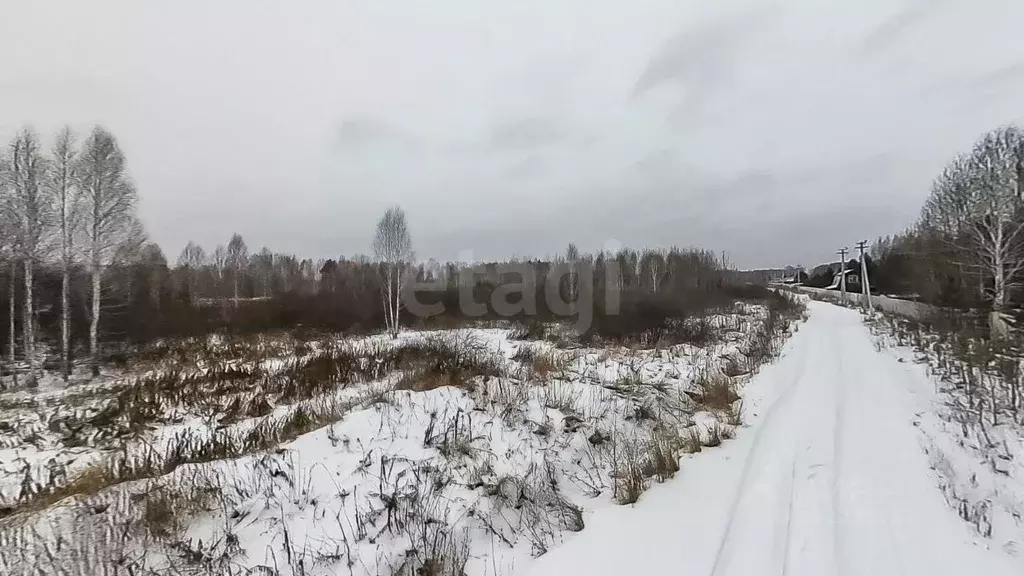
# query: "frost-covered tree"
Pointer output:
{"type": "Point", "coordinates": [8, 248]}
{"type": "Point", "coordinates": [237, 259]}
{"type": "Point", "coordinates": [392, 247]}
{"type": "Point", "coordinates": [108, 215]}
{"type": "Point", "coordinates": [29, 207]}
{"type": "Point", "coordinates": [976, 205]}
{"type": "Point", "coordinates": [64, 194]}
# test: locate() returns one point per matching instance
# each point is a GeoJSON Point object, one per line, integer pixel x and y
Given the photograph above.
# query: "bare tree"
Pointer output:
{"type": "Point", "coordinates": [652, 264]}
{"type": "Point", "coordinates": [30, 208]}
{"type": "Point", "coordinates": [64, 192]}
{"type": "Point", "coordinates": [12, 335]}
{"type": "Point", "coordinates": [975, 204]}
{"type": "Point", "coordinates": [108, 215]}
{"type": "Point", "coordinates": [392, 247]}
{"type": "Point", "coordinates": [9, 238]}
{"type": "Point", "coordinates": [264, 264]}
{"type": "Point", "coordinates": [220, 262]}
{"type": "Point", "coordinates": [237, 258]}
{"type": "Point", "coordinates": [192, 259]}
{"type": "Point", "coordinates": [572, 258]}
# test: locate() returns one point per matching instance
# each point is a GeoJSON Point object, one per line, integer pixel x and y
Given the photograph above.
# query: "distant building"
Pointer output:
{"type": "Point", "coordinates": [852, 281]}
{"type": "Point", "coordinates": [798, 278]}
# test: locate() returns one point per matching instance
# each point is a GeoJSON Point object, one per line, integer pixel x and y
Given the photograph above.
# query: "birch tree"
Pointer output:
{"type": "Point", "coordinates": [652, 265]}
{"type": "Point", "coordinates": [220, 259]}
{"type": "Point", "coordinates": [8, 237]}
{"type": "Point", "coordinates": [63, 190]}
{"type": "Point", "coordinates": [976, 207]}
{"type": "Point", "coordinates": [975, 204]}
{"type": "Point", "coordinates": [392, 247]}
{"type": "Point", "coordinates": [108, 215]}
{"type": "Point", "coordinates": [29, 207]}
{"type": "Point", "coordinates": [237, 259]}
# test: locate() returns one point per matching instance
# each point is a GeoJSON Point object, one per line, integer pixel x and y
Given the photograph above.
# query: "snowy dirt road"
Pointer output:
{"type": "Point", "coordinates": [827, 478]}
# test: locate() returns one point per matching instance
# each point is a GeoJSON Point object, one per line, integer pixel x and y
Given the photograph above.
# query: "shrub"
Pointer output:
{"type": "Point", "coordinates": [690, 441]}
{"type": "Point", "coordinates": [716, 433]}
{"type": "Point", "coordinates": [533, 330]}
{"type": "Point", "coordinates": [541, 363]}
{"type": "Point", "coordinates": [449, 359]}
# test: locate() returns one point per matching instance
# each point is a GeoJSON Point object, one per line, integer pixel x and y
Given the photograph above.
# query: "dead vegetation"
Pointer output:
{"type": "Point", "coordinates": [716, 392]}
{"type": "Point", "coordinates": [253, 408]}
{"type": "Point", "coordinates": [542, 363]}
{"type": "Point", "coordinates": [639, 460]}
{"type": "Point", "coordinates": [446, 359]}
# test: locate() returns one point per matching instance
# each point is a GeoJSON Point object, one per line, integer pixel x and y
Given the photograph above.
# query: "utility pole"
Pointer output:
{"type": "Point", "coordinates": [865, 286]}
{"type": "Point", "coordinates": [842, 271]}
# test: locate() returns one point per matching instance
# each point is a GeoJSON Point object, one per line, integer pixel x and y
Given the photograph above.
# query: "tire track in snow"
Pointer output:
{"type": "Point", "coordinates": [869, 379]}
{"type": "Point", "coordinates": [838, 552]}
{"type": "Point", "coordinates": [768, 423]}
{"type": "Point", "coordinates": [814, 537]}
{"type": "Point", "coordinates": [787, 545]}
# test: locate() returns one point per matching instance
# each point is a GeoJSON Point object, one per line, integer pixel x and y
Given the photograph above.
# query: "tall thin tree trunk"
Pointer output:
{"type": "Point", "coordinates": [65, 316]}
{"type": "Point", "coordinates": [389, 316]}
{"type": "Point", "coordinates": [999, 281]}
{"type": "Point", "coordinates": [28, 327]}
{"type": "Point", "coordinates": [94, 324]}
{"type": "Point", "coordinates": [13, 335]}
{"type": "Point", "coordinates": [396, 302]}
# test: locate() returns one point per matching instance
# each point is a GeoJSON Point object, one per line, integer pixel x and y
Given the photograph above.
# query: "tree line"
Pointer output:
{"type": "Point", "coordinates": [966, 251]}
{"type": "Point", "coordinates": [81, 278]}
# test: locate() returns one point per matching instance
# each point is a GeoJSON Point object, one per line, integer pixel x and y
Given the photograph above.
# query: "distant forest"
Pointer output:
{"type": "Point", "coordinates": [80, 276]}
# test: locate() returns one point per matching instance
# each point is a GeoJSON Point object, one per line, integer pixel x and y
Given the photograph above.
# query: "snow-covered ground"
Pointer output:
{"type": "Point", "coordinates": [832, 476]}
{"type": "Point", "coordinates": [481, 476]}
{"type": "Point", "coordinates": [978, 462]}
{"type": "Point", "coordinates": [847, 462]}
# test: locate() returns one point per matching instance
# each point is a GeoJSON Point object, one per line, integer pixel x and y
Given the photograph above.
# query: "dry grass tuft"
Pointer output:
{"type": "Point", "coordinates": [734, 414]}
{"type": "Point", "coordinates": [528, 331]}
{"type": "Point", "coordinates": [452, 359]}
{"type": "Point", "coordinates": [690, 441]}
{"type": "Point", "coordinates": [635, 460]}
{"type": "Point", "coordinates": [717, 393]}
{"type": "Point", "coordinates": [541, 363]}
{"type": "Point", "coordinates": [718, 432]}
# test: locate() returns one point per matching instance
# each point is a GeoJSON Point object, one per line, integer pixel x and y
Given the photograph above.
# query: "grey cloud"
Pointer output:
{"type": "Point", "coordinates": [701, 59]}
{"type": "Point", "coordinates": [894, 27]}
{"type": "Point", "coordinates": [529, 167]}
{"type": "Point", "coordinates": [359, 132]}
{"type": "Point", "coordinates": [525, 133]}
{"type": "Point", "coordinates": [515, 127]}
{"type": "Point", "coordinates": [1011, 74]}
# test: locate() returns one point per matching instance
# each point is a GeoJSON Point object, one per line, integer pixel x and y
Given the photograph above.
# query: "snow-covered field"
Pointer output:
{"type": "Point", "coordinates": [440, 453]}
{"type": "Point", "coordinates": [834, 474]}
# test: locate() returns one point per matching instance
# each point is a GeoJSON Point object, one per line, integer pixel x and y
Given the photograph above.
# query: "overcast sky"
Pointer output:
{"type": "Point", "coordinates": [775, 131]}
